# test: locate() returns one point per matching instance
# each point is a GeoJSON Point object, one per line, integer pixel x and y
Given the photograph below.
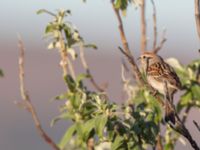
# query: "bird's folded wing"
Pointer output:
{"type": "Point", "coordinates": [163, 72]}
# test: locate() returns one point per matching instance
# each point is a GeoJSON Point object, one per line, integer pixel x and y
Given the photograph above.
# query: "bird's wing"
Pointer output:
{"type": "Point", "coordinates": [164, 72]}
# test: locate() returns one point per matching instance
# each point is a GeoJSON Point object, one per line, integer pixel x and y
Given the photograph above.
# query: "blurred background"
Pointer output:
{"type": "Point", "coordinates": [97, 24]}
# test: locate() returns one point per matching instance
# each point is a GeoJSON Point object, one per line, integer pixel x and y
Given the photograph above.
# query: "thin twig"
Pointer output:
{"type": "Point", "coordinates": [63, 54]}
{"type": "Point", "coordinates": [71, 68]}
{"type": "Point", "coordinates": [196, 124]}
{"type": "Point", "coordinates": [121, 29]}
{"type": "Point", "coordinates": [154, 24]}
{"type": "Point", "coordinates": [162, 42]}
{"type": "Point", "coordinates": [159, 145]}
{"type": "Point", "coordinates": [155, 47]}
{"type": "Point", "coordinates": [86, 67]}
{"type": "Point", "coordinates": [27, 101]}
{"type": "Point", "coordinates": [143, 41]}
{"type": "Point", "coordinates": [185, 115]}
{"type": "Point", "coordinates": [127, 52]}
{"type": "Point", "coordinates": [181, 129]}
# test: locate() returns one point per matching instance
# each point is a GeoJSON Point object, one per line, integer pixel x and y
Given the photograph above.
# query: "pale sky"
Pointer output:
{"type": "Point", "coordinates": [97, 23]}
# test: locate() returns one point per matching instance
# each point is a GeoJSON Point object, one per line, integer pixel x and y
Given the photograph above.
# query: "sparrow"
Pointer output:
{"type": "Point", "coordinates": [162, 77]}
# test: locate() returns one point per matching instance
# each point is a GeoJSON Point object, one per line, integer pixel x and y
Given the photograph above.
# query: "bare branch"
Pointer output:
{"type": "Point", "coordinates": [85, 65]}
{"type": "Point", "coordinates": [63, 54]}
{"type": "Point", "coordinates": [27, 101]}
{"type": "Point", "coordinates": [159, 145]}
{"type": "Point", "coordinates": [185, 115]}
{"type": "Point", "coordinates": [162, 42]}
{"type": "Point", "coordinates": [121, 29]}
{"type": "Point", "coordinates": [21, 69]}
{"type": "Point", "coordinates": [196, 124]}
{"type": "Point", "coordinates": [181, 129]}
{"type": "Point", "coordinates": [71, 68]}
{"type": "Point", "coordinates": [154, 24]}
{"type": "Point", "coordinates": [127, 52]}
{"type": "Point", "coordinates": [143, 41]}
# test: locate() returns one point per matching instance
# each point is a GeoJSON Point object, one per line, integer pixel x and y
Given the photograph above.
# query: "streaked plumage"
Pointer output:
{"type": "Point", "coordinates": [161, 77]}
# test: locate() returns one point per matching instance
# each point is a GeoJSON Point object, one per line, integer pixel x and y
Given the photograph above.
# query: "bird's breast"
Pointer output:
{"type": "Point", "coordinates": [159, 86]}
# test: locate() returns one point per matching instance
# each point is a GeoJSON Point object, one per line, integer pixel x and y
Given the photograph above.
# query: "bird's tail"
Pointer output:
{"type": "Point", "coordinates": [169, 112]}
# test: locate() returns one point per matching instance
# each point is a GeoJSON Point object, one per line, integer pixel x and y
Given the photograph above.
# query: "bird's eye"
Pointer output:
{"type": "Point", "coordinates": [144, 57]}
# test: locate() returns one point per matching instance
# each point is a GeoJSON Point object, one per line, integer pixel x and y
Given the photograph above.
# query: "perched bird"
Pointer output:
{"type": "Point", "coordinates": [162, 78]}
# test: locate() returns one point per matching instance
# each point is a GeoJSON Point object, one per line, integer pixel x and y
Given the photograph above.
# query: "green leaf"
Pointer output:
{"type": "Point", "coordinates": [61, 96]}
{"type": "Point", "coordinates": [1, 73]}
{"type": "Point", "coordinates": [90, 46]}
{"type": "Point", "coordinates": [80, 127]}
{"type": "Point", "coordinates": [72, 52]}
{"type": "Point", "coordinates": [49, 28]}
{"type": "Point", "coordinates": [169, 146]}
{"type": "Point", "coordinates": [67, 31]}
{"type": "Point", "coordinates": [70, 82]}
{"type": "Point", "coordinates": [118, 4]}
{"type": "Point", "coordinates": [118, 142]}
{"type": "Point", "coordinates": [60, 117]}
{"type": "Point", "coordinates": [194, 65]}
{"type": "Point", "coordinates": [81, 77]}
{"type": "Point", "coordinates": [41, 11]}
{"type": "Point", "coordinates": [71, 42]}
{"type": "Point", "coordinates": [75, 99]}
{"type": "Point", "coordinates": [88, 126]}
{"type": "Point", "coordinates": [196, 92]}
{"type": "Point", "coordinates": [67, 136]}
{"type": "Point", "coordinates": [100, 124]}
{"type": "Point", "coordinates": [121, 4]}
{"type": "Point", "coordinates": [186, 98]}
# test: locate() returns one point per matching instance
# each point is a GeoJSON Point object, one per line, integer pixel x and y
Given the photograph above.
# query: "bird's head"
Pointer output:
{"type": "Point", "coordinates": [148, 58]}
